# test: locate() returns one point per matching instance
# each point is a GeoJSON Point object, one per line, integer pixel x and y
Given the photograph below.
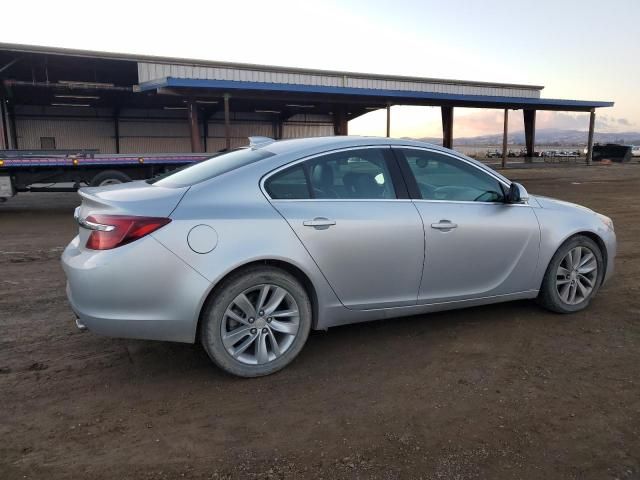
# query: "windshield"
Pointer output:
{"type": "Point", "coordinates": [212, 167]}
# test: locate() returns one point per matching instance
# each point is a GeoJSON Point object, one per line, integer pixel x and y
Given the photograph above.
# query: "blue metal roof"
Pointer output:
{"type": "Point", "coordinates": [414, 97]}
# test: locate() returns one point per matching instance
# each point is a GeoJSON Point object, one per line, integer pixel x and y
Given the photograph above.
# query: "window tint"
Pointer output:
{"type": "Point", "coordinates": [288, 185]}
{"type": "Point", "coordinates": [357, 174]}
{"type": "Point", "coordinates": [441, 177]}
{"type": "Point", "coordinates": [352, 174]}
{"type": "Point", "coordinates": [206, 169]}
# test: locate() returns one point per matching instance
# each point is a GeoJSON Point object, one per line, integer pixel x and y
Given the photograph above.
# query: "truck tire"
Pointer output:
{"type": "Point", "coordinates": [109, 177]}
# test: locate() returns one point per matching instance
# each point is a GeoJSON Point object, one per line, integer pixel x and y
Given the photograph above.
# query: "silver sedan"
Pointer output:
{"type": "Point", "coordinates": [248, 251]}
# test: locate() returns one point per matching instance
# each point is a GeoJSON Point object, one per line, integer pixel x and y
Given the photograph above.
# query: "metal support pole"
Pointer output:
{"type": "Point", "coordinates": [530, 132]}
{"type": "Point", "coordinates": [12, 133]}
{"type": "Point", "coordinates": [4, 141]}
{"type": "Point", "coordinates": [194, 127]}
{"type": "Point", "coordinates": [447, 126]}
{"type": "Point", "coordinates": [227, 122]}
{"type": "Point", "coordinates": [205, 132]}
{"type": "Point", "coordinates": [340, 125]}
{"type": "Point", "coordinates": [206, 117]}
{"type": "Point", "coordinates": [277, 128]}
{"type": "Point", "coordinates": [116, 128]}
{"type": "Point", "coordinates": [388, 120]}
{"type": "Point", "coordinates": [592, 124]}
{"type": "Point", "coordinates": [505, 133]}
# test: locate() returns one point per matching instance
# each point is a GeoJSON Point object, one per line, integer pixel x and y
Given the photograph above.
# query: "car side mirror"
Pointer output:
{"type": "Point", "coordinates": [517, 194]}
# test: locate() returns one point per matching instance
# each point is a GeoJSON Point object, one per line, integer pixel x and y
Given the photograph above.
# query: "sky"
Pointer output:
{"type": "Point", "coordinates": [587, 49]}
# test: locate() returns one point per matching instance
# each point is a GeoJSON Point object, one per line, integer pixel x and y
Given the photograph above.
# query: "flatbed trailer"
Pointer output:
{"type": "Point", "coordinates": [45, 170]}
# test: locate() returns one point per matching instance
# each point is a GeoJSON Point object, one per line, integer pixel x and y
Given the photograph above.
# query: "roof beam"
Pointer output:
{"type": "Point", "coordinates": [320, 93]}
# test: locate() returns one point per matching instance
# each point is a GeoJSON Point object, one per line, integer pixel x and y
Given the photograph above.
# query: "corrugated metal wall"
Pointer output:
{"type": "Point", "coordinates": [70, 128]}
{"type": "Point", "coordinates": [239, 132]}
{"type": "Point", "coordinates": [244, 125]}
{"type": "Point", "coordinates": [140, 131]}
{"type": "Point", "coordinates": [308, 125]}
{"type": "Point", "coordinates": [157, 71]}
{"type": "Point", "coordinates": [299, 130]}
{"type": "Point", "coordinates": [149, 131]}
{"type": "Point", "coordinates": [154, 131]}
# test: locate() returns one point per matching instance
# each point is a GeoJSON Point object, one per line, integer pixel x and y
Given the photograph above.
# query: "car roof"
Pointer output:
{"type": "Point", "coordinates": [309, 146]}
{"type": "Point", "coordinates": [328, 143]}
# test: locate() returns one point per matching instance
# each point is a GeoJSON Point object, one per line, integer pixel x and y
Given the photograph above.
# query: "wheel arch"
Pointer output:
{"type": "Point", "coordinates": [288, 267]}
{"type": "Point", "coordinates": [591, 235]}
{"type": "Point", "coordinates": [601, 245]}
{"type": "Point", "coordinates": [596, 238]}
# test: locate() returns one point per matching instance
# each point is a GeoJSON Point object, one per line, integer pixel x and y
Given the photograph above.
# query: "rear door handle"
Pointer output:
{"type": "Point", "coordinates": [444, 225]}
{"type": "Point", "coordinates": [319, 223]}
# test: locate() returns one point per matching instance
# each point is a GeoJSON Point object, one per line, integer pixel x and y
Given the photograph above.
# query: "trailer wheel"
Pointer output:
{"type": "Point", "coordinates": [109, 177]}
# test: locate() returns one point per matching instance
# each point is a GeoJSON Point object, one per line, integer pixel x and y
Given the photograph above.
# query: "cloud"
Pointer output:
{"type": "Point", "coordinates": [611, 124]}
{"type": "Point", "coordinates": [482, 122]}
{"type": "Point", "coordinates": [562, 120]}
{"type": "Point", "coordinates": [579, 121]}
{"type": "Point", "coordinates": [419, 122]}
{"type": "Point", "coordinates": [487, 122]}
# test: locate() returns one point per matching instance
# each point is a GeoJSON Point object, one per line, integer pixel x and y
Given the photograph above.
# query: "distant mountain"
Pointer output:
{"type": "Point", "coordinates": [545, 136]}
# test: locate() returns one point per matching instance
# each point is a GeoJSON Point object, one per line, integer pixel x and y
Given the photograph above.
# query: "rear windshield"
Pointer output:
{"type": "Point", "coordinates": [206, 169]}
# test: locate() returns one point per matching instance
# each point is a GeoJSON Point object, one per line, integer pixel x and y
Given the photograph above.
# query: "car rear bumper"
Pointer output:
{"type": "Point", "coordinates": [141, 290]}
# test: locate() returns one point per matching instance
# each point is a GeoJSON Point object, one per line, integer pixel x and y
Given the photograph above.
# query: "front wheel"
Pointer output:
{"type": "Point", "coordinates": [257, 322]}
{"type": "Point", "coordinates": [573, 276]}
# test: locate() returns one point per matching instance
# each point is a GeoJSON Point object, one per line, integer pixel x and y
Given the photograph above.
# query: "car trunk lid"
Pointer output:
{"type": "Point", "coordinates": [133, 198]}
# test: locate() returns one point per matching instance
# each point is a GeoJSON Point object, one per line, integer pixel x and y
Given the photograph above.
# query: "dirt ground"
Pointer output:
{"type": "Point", "coordinates": [501, 392]}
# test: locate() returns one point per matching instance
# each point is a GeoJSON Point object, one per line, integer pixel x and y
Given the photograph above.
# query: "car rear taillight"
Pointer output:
{"type": "Point", "coordinates": [111, 231]}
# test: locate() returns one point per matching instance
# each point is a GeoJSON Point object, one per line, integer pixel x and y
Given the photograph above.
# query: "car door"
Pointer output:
{"type": "Point", "coordinates": [351, 211]}
{"type": "Point", "coordinates": [476, 245]}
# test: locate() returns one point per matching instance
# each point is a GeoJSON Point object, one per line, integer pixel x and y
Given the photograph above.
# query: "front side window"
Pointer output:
{"type": "Point", "coordinates": [351, 174]}
{"type": "Point", "coordinates": [441, 177]}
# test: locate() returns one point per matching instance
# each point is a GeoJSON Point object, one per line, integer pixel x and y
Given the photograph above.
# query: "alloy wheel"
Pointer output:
{"type": "Point", "coordinates": [576, 275]}
{"type": "Point", "coordinates": [260, 324]}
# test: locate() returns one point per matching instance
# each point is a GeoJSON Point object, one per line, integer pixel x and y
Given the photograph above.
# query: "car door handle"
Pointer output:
{"type": "Point", "coordinates": [319, 222]}
{"type": "Point", "coordinates": [444, 225]}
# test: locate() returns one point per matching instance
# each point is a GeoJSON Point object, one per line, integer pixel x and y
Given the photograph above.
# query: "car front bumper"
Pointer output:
{"type": "Point", "coordinates": [141, 290]}
{"type": "Point", "coordinates": [611, 245]}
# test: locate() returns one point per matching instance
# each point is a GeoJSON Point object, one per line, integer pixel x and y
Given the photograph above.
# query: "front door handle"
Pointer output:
{"type": "Point", "coordinates": [444, 225]}
{"type": "Point", "coordinates": [319, 223]}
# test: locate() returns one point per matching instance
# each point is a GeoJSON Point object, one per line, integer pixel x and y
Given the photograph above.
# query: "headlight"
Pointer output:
{"type": "Point", "coordinates": [607, 221]}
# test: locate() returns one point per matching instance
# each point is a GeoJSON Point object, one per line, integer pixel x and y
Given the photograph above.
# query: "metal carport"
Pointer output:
{"type": "Point", "coordinates": [144, 99]}
{"type": "Point", "coordinates": [347, 103]}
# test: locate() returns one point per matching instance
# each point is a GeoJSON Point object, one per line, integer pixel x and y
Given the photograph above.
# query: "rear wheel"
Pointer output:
{"type": "Point", "coordinates": [573, 276]}
{"type": "Point", "coordinates": [109, 177]}
{"type": "Point", "coordinates": [257, 322]}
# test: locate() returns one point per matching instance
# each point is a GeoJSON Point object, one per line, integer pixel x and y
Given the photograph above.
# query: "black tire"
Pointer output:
{"type": "Point", "coordinates": [549, 297]}
{"type": "Point", "coordinates": [109, 177]}
{"type": "Point", "coordinates": [214, 313]}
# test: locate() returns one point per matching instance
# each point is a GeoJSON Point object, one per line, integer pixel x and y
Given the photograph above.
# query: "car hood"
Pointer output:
{"type": "Point", "coordinates": [555, 204]}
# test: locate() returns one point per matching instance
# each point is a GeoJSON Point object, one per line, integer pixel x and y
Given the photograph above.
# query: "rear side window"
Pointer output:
{"type": "Point", "coordinates": [206, 169]}
{"type": "Point", "coordinates": [288, 185]}
{"type": "Point", "coordinates": [345, 175]}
